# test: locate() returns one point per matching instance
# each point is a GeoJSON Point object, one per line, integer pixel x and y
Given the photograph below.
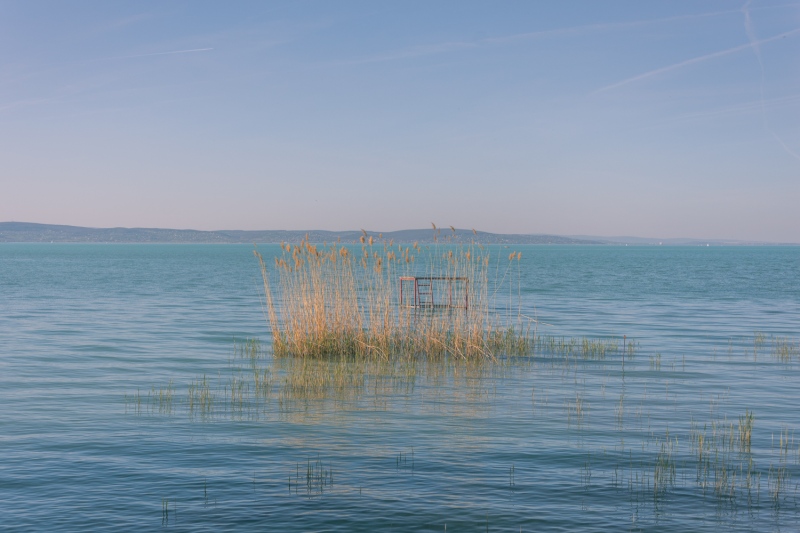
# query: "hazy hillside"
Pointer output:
{"type": "Point", "coordinates": [31, 232]}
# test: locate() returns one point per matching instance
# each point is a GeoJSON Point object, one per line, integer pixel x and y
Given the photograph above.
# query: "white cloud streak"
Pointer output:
{"type": "Point", "coordinates": [167, 53]}
{"type": "Point", "coordinates": [756, 45]}
{"type": "Point", "coordinates": [439, 48]}
{"type": "Point", "coordinates": [694, 60]}
{"type": "Point", "coordinates": [752, 107]}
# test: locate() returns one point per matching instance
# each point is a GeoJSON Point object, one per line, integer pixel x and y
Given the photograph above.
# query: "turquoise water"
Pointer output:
{"type": "Point", "coordinates": [90, 334]}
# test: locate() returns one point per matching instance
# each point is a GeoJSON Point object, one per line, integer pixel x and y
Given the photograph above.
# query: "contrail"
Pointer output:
{"type": "Point", "coordinates": [756, 45]}
{"type": "Point", "coordinates": [424, 50]}
{"type": "Point", "coordinates": [173, 52]}
{"type": "Point", "coordinates": [694, 60]}
{"type": "Point", "coordinates": [756, 105]}
{"type": "Point", "coordinates": [99, 59]}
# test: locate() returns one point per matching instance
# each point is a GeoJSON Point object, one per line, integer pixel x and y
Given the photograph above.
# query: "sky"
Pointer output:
{"type": "Point", "coordinates": [665, 119]}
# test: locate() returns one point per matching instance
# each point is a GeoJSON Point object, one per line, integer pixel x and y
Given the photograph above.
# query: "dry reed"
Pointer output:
{"type": "Point", "coordinates": [342, 300]}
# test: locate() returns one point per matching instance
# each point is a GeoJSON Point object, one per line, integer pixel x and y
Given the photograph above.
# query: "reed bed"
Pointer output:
{"type": "Point", "coordinates": [344, 300]}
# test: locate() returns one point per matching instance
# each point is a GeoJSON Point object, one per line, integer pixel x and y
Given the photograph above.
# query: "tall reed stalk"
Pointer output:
{"type": "Point", "coordinates": [343, 300]}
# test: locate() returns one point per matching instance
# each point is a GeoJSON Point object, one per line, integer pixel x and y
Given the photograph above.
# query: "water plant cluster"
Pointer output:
{"type": "Point", "coordinates": [658, 460]}
{"type": "Point", "coordinates": [344, 300]}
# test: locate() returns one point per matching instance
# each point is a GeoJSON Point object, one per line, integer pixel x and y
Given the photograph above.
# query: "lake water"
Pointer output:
{"type": "Point", "coordinates": [100, 346]}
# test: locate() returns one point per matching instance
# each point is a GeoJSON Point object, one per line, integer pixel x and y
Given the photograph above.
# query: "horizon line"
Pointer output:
{"type": "Point", "coordinates": [447, 229]}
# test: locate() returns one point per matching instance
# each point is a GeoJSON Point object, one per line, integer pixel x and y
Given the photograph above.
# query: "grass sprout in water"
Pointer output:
{"type": "Point", "coordinates": [785, 349]}
{"type": "Point", "coordinates": [316, 478]}
{"type": "Point", "coordinates": [718, 456]}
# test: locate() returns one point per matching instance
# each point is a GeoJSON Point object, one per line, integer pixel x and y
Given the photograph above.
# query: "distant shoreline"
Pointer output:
{"type": "Point", "coordinates": [29, 232]}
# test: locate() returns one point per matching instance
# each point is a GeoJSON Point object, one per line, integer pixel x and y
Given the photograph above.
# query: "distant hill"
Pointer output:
{"type": "Point", "coordinates": [32, 232]}
{"type": "Point", "coordinates": [649, 241]}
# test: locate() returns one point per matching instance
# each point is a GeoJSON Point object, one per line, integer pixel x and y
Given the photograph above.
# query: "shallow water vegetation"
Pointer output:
{"type": "Point", "coordinates": [343, 300]}
{"type": "Point", "coordinates": [576, 410]}
{"type": "Point", "coordinates": [256, 379]}
{"type": "Point", "coordinates": [759, 339]}
{"type": "Point", "coordinates": [785, 349]}
{"type": "Point", "coordinates": [777, 483]}
{"type": "Point", "coordinates": [583, 347]}
{"type": "Point", "coordinates": [781, 348]}
{"type": "Point", "coordinates": [655, 362]}
{"type": "Point", "coordinates": [619, 412]}
{"type": "Point", "coordinates": [165, 519]}
{"type": "Point", "coordinates": [746, 430]}
{"type": "Point", "coordinates": [664, 470]}
{"type": "Point", "coordinates": [158, 400]}
{"type": "Point", "coordinates": [723, 465]}
{"type": "Point", "coordinates": [133, 402]}
{"type": "Point", "coordinates": [727, 465]}
{"type": "Point", "coordinates": [200, 397]}
{"type": "Point", "coordinates": [315, 478]}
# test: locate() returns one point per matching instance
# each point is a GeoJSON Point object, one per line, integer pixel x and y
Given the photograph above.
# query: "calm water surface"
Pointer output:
{"type": "Point", "coordinates": [99, 345]}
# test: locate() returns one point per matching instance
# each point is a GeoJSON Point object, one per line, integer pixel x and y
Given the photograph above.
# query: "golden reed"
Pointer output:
{"type": "Point", "coordinates": [343, 300]}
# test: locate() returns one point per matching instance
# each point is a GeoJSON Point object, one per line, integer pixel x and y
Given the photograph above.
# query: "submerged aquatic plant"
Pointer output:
{"type": "Point", "coordinates": [664, 469]}
{"type": "Point", "coordinates": [746, 430]}
{"type": "Point", "coordinates": [785, 349]}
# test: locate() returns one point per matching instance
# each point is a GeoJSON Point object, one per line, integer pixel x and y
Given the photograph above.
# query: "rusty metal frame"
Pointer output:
{"type": "Point", "coordinates": [416, 299]}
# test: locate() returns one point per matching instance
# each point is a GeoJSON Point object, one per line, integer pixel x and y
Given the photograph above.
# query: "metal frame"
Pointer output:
{"type": "Point", "coordinates": [427, 281]}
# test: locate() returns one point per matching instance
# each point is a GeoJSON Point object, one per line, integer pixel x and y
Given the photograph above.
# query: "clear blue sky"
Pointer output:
{"type": "Point", "coordinates": [660, 119]}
